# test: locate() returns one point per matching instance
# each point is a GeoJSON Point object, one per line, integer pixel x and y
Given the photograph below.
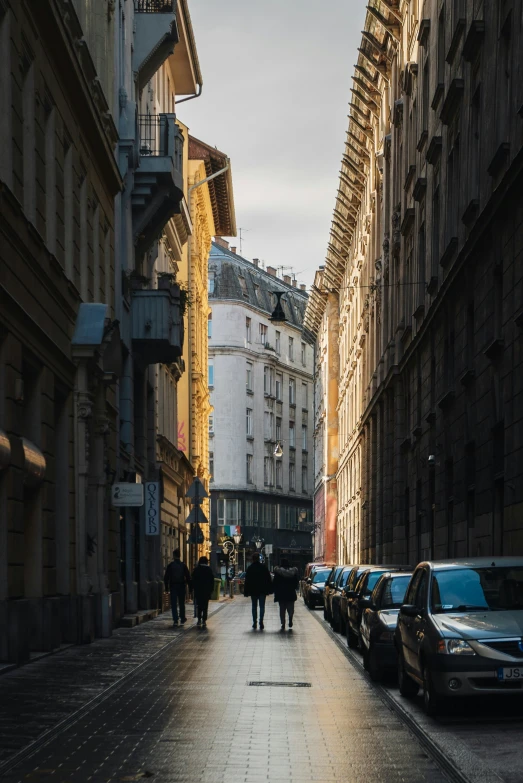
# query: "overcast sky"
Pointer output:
{"type": "Point", "coordinates": [276, 86]}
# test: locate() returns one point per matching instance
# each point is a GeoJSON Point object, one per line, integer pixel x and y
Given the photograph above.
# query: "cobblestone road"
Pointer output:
{"type": "Point", "coordinates": [191, 715]}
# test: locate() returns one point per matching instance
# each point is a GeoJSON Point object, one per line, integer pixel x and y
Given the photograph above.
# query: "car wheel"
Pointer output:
{"type": "Point", "coordinates": [325, 617]}
{"type": "Point", "coordinates": [343, 627]}
{"type": "Point", "coordinates": [431, 701]}
{"type": "Point", "coordinates": [373, 665]}
{"type": "Point", "coordinates": [352, 639]}
{"type": "Point", "coordinates": [335, 624]}
{"type": "Point", "coordinates": [406, 684]}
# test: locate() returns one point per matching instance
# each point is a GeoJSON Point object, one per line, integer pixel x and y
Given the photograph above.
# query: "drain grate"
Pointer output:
{"type": "Point", "coordinates": [268, 683]}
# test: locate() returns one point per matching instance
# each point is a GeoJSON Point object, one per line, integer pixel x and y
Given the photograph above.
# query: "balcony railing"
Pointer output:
{"type": "Point", "coordinates": [160, 137]}
{"type": "Point", "coordinates": [153, 6]}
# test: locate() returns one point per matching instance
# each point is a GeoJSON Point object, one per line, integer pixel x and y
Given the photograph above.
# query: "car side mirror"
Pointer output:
{"type": "Point", "coordinates": [366, 603]}
{"type": "Point", "coordinates": [409, 610]}
{"type": "Point", "coordinates": [350, 593]}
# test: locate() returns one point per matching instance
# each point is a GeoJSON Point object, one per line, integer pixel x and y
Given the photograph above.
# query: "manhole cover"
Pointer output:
{"type": "Point", "coordinates": [270, 684]}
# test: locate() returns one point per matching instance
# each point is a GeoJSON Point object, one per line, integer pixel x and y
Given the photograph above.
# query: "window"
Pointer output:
{"type": "Point", "coordinates": [292, 435]}
{"type": "Point", "coordinates": [292, 477]}
{"type": "Point", "coordinates": [304, 395]}
{"type": "Point", "coordinates": [304, 479]}
{"type": "Point", "coordinates": [279, 386]}
{"type": "Point", "coordinates": [211, 374]}
{"type": "Point", "coordinates": [279, 473]}
{"type": "Point", "coordinates": [257, 292]}
{"type": "Point", "coordinates": [291, 349]}
{"type": "Point", "coordinates": [303, 354]}
{"type": "Point", "coordinates": [267, 378]}
{"type": "Point", "coordinates": [211, 423]}
{"type": "Point", "coordinates": [263, 334]}
{"type": "Point", "coordinates": [304, 437]}
{"type": "Point", "coordinates": [209, 326]}
{"type": "Point", "coordinates": [211, 465]}
{"type": "Point", "coordinates": [268, 471]}
{"type": "Point", "coordinates": [249, 469]}
{"type": "Point", "coordinates": [249, 376]}
{"type": "Point", "coordinates": [248, 330]}
{"type": "Point", "coordinates": [229, 511]}
{"type": "Point", "coordinates": [243, 285]}
{"type": "Point", "coordinates": [210, 283]}
{"type": "Point", "coordinates": [268, 425]}
{"type": "Point", "coordinates": [250, 431]}
{"type": "Point", "coordinates": [292, 391]}
{"type": "Point", "coordinates": [278, 342]}
{"type": "Point", "coordinates": [278, 429]}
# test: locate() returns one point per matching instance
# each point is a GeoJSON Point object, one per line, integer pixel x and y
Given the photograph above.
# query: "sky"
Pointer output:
{"type": "Point", "coordinates": [276, 87]}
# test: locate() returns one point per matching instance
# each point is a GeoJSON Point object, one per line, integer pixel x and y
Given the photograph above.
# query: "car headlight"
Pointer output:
{"type": "Point", "coordinates": [455, 647]}
{"type": "Point", "coordinates": [315, 589]}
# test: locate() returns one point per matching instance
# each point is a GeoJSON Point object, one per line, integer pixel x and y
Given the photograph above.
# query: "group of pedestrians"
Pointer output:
{"type": "Point", "coordinates": [258, 585]}
{"type": "Point", "coordinates": [176, 580]}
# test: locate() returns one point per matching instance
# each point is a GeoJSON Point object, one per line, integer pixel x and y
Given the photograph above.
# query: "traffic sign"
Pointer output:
{"type": "Point", "coordinates": [197, 491]}
{"type": "Point", "coordinates": [196, 515]}
{"type": "Point", "coordinates": [196, 535]}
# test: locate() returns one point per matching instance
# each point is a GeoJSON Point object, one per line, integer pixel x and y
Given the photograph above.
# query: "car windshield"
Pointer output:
{"type": "Point", "coordinates": [394, 592]}
{"type": "Point", "coordinates": [477, 589]}
{"type": "Point", "coordinates": [371, 582]}
{"type": "Point", "coordinates": [320, 576]}
{"type": "Point", "coordinates": [344, 578]}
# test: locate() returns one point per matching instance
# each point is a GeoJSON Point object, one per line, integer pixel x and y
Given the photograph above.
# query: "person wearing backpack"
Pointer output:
{"type": "Point", "coordinates": [176, 577]}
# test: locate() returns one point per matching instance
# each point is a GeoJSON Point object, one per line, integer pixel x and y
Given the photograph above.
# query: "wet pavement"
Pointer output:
{"type": "Point", "coordinates": [221, 704]}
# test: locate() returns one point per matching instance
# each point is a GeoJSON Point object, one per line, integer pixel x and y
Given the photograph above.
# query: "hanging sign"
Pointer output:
{"type": "Point", "coordinates": [152, 508]}
{"type": "Point", "coordinates": [127, 494]}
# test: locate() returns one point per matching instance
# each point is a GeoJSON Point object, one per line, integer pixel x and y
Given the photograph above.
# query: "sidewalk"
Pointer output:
{"type": "Point", "coordinates": [223, 704]}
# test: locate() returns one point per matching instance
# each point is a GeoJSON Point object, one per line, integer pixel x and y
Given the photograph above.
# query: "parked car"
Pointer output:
{"type": "Point", "coordinates": [361, 590]}
{"type": "Point", "coordinates": [378, 623]}
{"type": "Point", "coordinates": [329, 590]}
{"type": "Point", "coordinates": [460, 630]}
{"type": "Point", "coordinates": [337, 620]}
{"type": "Point", "coordinates": [355, 573]}
{"type": "Point", "coordinates": [315, 586]}
{"type": "Point", "coordinates": [307, 572]}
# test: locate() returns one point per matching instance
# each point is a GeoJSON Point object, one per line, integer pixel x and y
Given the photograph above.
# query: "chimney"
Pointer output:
{"type": "Point", "coordinates": [287, 279]}
{"type": "Point", "coordinates": [233, 249]}
{"type": "Point", "coordinates": [256, 261]}
{"type": "Point", "coordinates": [271, 271]}
{"type": "Point", "coordinates": [294, 282]}
{"type": "Point", "coordinates": [303, 287]}
{"type": "Point", "coordinates": [221, 242]}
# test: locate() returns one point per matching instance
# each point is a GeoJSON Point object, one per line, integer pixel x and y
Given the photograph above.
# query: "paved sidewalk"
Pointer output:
{"type": "Point", "coordinates": [192, 714]}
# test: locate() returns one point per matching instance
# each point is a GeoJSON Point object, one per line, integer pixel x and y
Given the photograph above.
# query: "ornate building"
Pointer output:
{"type": "Point", "coordinates": [59, 342]}
{"type": "Point", "coordinates": [425, 254]}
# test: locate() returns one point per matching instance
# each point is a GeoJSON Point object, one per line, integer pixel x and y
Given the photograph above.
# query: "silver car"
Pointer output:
{"type": "Point", "coordinates": [460, 630]}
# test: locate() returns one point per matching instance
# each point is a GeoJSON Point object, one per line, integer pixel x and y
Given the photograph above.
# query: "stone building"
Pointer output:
{"type": "Point", "coordinates": [59, 341]}
{"type": "Point", "coordinates": [425, 254]}
{"type": "Point", "coordinates": [260, 378]}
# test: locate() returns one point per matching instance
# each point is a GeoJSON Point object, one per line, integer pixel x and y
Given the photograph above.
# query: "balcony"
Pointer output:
{"type": "Point", "coordinates": [156, 35]}
{"type": "Point", "coordinates": [157, 324]}
{"type": "Point", "coordinates": [158, 181]}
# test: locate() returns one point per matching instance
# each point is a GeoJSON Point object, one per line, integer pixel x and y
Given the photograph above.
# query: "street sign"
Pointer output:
{"type": "Point", "coordinates": [196, 491]}
{"type": "Point", "coordinates": [196, 535]}
{"type": "Point", "coordinates": [268, 549]}
{"type": "Point", "coordinates": [196, 515]}
{"type": "Point", "coordinates": [152, 508]}
{"type": "Point", "coordinates": [127, 494]}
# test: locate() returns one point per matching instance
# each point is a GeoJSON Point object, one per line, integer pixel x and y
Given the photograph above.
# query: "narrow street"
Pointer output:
{"type": "Point", "coordinates": [202, 709]}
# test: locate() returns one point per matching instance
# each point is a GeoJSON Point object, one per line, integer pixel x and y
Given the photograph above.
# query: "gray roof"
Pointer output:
{"type": "Point", "coordinates": [229, 269]}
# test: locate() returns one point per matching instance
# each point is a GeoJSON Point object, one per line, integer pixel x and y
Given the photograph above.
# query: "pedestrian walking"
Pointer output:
{"type": "Point", "coordinates": [176, 577]}
{"type": "Point", "coordinates": [285, 585]}
{"type": "Point", "coordinates": [258, 585]}
{"type": "Point", "coordinates": [202, 585]}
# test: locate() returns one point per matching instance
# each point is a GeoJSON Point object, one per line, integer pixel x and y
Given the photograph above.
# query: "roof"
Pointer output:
{"type": "Point", "coordinates": [220, 188]}
{"type": "Point", "coordinates": [230, 269]}
{"type": "Point", "coordinates": [477, 562]}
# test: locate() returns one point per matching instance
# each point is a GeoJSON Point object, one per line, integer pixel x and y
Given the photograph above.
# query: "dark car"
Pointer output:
{"type": "Point", "coordinates": [337, 620]}
{"type": "Point", "coordinates": [315, 586]}
{"type": "Point", "coordinates": [355, 573]}
{"type": "Point", "coordinates": [329, 589]}
{"type": "Point", "coordinates": [378, 623]}
{"type": "Point", "coordinates": [460, 630]}
{"type": "Point", "coordinates": [362, 589]}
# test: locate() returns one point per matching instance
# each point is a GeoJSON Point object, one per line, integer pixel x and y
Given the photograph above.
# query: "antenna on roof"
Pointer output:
{"type": "Point", "coordinates": [240, 231]}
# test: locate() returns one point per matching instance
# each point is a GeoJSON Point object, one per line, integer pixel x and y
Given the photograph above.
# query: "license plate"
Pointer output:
{"type": "Point", "coordinates": [514, 673]}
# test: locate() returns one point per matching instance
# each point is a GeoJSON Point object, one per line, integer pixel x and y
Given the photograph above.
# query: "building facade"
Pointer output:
{"type": "Point", "coordinates": [59, 339]}
{"type": "Point", "coordinates": [426, 256]}
{"type": "Point", "coordinates": [260, 377]}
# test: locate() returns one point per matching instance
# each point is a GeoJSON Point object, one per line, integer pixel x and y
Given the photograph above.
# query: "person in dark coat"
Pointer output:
{"type": "Point", "coordinates": [176, 577]}
{"type": "Point", "coordinates": [203, 585]}
{"type": "Point", "coordinates": [258, 585]}
{"type": "Point", "coordinates": [285, 585]}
